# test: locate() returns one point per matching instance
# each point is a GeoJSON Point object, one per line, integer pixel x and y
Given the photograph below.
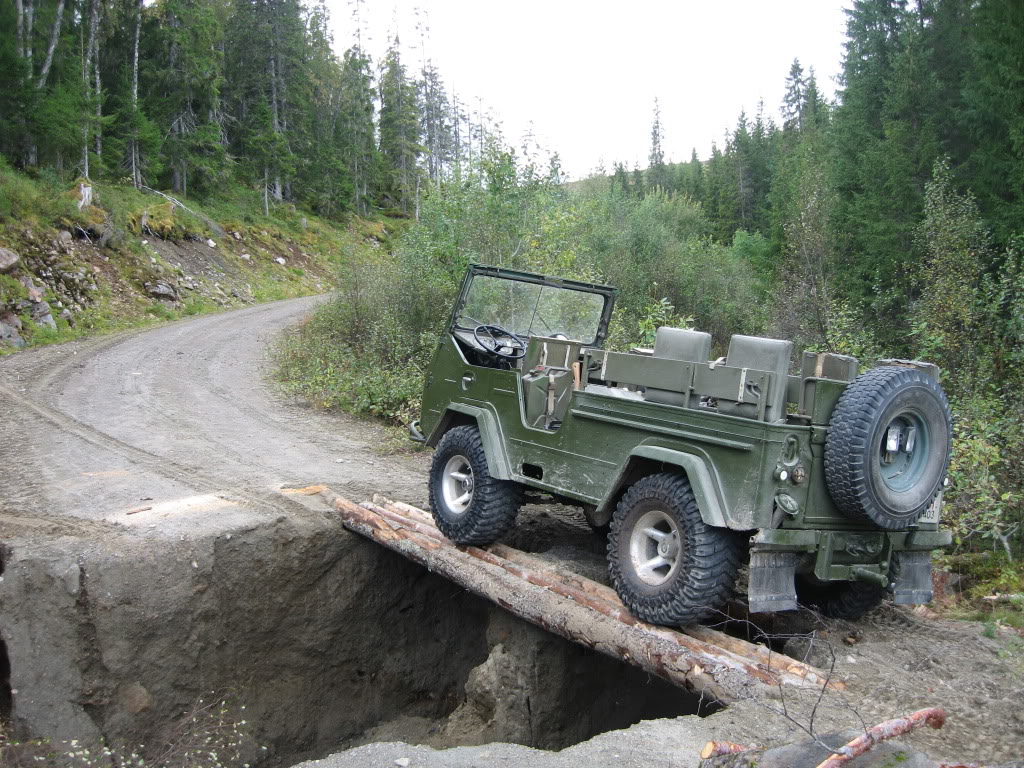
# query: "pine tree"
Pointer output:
{"type": "Point", "coordinates": [994, 113]}
{"type": "Point", "coordinates": [657, 176]}
{"type": "Point", "coordinates": [399, 130]}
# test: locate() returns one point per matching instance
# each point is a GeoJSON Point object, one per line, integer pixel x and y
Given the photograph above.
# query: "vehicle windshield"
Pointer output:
{"type": "Point", "coordinates": [532, 309]}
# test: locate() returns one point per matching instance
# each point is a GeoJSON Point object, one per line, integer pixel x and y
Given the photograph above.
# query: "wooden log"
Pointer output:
{"type": "Point", "coordinates": [932, 717]}
{"type": "Point", "coordinates": [586, 592]}
{"type": "Point", "coordinates": [561, 610]}
{"type": "Point", "coordinates": [720, 748]}
{"type": "Point", "coordinates": [547, 610]}
{"type": "Point", "coordinates": [615, 610]}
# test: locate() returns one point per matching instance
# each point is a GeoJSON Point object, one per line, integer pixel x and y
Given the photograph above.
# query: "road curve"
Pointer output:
{"type": "Point", "coordinates": [178, 425]}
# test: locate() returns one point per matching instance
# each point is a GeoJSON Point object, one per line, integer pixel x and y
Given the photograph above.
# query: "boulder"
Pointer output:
{"type": "Point", "coordinates": [64, 236]}
{"type": "Point", "coordinates": [67, 317]}
{"type": "Point", "coordinates": [211, 244]}
{"type": "Point", "coordinates": [8, 259]}
{"type": "Point", "coordinates": [35, 293]}
{"type": "Point", "coordinates": [46, 321]}
{"type": "Point", "coordinates": [162, 291]}
{"type": "Point", "coordinates": [41, 315]}
{"type": "Point", "coordinates": [280, 260]}
{"type": "Point", "coordinates": [11, 319]}
{"type": "Point", "coordinates": [9, 336]}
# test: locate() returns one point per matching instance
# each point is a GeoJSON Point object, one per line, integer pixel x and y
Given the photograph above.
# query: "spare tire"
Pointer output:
{"type": "Point", "coordinates": [887, 446]}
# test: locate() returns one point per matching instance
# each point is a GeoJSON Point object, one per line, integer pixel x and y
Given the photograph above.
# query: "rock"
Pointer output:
{"type": "Point", "coordinates": [9, 335]}
{"type": "Point", "coordinates": [211, 244]}
{"type": "Point", "coordinates": [236, 236]}
{"type": "Point", "coordinates": [64, 236]}
{"type": "Point", "coordinates": [67, 317]}
{"type": "Point", "coordinates": [11, 319]}
{"type": "Point", "coordinates": [39, 309]}
{"type": "Point", "coordinates": [34, 293]}
{"type": "Point", "coordinates": [8, 259]}
{"type": "Point", "coordinates": [280, 260]}
{"type": "Point", "coordinates": [246, 256]}
{"type": "Point", "coordinates": [162, 291]}
{"type": "Point", "coordinates": [813, 651]}
{"type": "Point", "coordinates": [135, 698]}
{"type": "Point", "coordinates": [46, 321]}
{"type": "Point", "coordinates": [403, 762]}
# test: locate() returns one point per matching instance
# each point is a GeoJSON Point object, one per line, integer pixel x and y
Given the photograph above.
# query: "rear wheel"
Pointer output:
{"type": "Point", "coordinates": [667, 565]}
{"type": "Point", "coordinates": [468, 505]}
{"type": "Point", "coordinates": [848, 600]}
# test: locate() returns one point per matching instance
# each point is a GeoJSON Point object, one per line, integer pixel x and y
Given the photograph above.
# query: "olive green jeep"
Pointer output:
{"type": "Point", "coordinates": [827, 483]}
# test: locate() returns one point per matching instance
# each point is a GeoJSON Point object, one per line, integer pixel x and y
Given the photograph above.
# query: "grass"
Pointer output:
{"type": "Point", "coordinates": [32, 208]}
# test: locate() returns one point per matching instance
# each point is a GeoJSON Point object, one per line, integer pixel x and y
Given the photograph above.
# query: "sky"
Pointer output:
{"type": "Point", "coordinates": [586, 74]}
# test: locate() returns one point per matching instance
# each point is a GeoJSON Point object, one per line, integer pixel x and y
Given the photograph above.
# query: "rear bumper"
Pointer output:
{"type": "Point", "coordinates": [897, 560]}
{"type": "Point", "coordinates": [854, 544]}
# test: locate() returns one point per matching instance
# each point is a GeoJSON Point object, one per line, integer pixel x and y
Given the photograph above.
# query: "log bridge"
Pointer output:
{"type": "Point", "coordinates": [716, 665]}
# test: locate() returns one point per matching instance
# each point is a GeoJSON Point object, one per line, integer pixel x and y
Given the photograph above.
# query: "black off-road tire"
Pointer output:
{"type": "Point", "coordinates": [849, 600]}
{"type": "Point", "coordinates": [853, 464]}
{"type": "Point", "coordinates": [708, 557]}
{"type": "Point", "coordinates": [492, 511]}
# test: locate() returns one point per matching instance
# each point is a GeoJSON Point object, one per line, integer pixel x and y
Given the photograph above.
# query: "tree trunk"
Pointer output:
{"type": "Point", "coordinates": [19, 7]}
{"type": "Point", "coordinates": [54, 37]}
{"type": "Point", "coordinates": [30, 20]}
{"type": "Point", "coordinates": [266, 199]}
{"type": "Point", "coordinates": [135, 159]}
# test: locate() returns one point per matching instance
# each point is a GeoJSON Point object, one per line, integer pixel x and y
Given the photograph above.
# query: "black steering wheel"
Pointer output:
{"type": "Point", "coordinates": [487, 336]}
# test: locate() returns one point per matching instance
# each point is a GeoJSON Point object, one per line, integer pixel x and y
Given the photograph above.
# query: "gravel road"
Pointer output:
{"type": "Point", "coordinates": [180, 419]}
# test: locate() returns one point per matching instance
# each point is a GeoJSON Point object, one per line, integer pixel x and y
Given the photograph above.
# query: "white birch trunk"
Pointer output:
{"type": "Point", "coordinates": [54, 37]}
{"type": "Point", "coordinates": [136, 170]}
{"type": "Point", "coordinates": [19, 7]}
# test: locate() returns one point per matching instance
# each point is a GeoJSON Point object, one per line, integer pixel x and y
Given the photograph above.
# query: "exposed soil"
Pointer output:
{"type": "Point", "coordinates": [150, 556]}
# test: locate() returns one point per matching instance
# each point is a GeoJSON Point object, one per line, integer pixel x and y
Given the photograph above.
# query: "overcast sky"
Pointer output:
{"type": "Point", "coordinates": [586, 73]}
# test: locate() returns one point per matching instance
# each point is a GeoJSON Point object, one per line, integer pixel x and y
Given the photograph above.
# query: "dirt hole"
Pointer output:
{"type": "Point", "coordinates": [6, 695]}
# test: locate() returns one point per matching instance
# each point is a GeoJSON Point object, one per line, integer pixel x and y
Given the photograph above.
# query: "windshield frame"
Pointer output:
{"type": "Point", "coordinates": [528, 277]}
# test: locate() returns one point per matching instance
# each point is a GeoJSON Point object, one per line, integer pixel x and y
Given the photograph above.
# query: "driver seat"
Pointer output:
{"type": "Point", "coordinates": [548, 381]}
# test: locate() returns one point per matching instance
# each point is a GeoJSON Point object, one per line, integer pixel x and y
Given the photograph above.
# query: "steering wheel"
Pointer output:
{"type": "Point", "coordinates": [487, 336]}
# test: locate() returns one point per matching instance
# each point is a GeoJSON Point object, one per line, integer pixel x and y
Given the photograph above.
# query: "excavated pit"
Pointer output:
{"type": "Point", "coordinates": [327, 639]}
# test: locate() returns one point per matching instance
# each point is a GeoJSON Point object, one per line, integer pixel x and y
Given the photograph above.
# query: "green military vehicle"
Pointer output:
{"type": "Point", "coordinates": [827, 483]}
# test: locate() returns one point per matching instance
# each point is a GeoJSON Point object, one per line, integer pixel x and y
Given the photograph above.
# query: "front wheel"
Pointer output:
{"type": "Point", "coordinates": [469, 506]}
{"type": "Point", "coordinates": [667, 565]}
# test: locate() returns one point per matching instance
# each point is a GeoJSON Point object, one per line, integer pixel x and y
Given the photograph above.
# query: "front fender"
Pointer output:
{"type": "Point", "coordinates": [705, 488]}
{"type": "Point", "coordinates": [490, 435]}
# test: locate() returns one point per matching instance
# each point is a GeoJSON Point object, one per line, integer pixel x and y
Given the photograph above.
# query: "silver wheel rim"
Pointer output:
{"type": "Point", "coordinates": [457, 484]}
{"type": "Point", "coordinates": [654, 547]}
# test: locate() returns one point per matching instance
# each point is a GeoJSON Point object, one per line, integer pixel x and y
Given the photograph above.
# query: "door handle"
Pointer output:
{"type": "Point", "coordinates": [467, 380]}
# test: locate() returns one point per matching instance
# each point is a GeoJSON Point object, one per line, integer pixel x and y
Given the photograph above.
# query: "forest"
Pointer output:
{"type": "Point", "coordinates": [886, 222]}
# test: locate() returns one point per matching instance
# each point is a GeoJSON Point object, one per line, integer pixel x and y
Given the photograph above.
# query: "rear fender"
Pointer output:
{"type": "Point", "coordinates": [648, 459]}
{"type": "Point", "coordinates": [460, 414]}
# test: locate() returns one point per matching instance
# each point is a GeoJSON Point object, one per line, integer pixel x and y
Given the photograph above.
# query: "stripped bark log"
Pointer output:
{"type": "Point", "coordinates": [604, 599]}
{"type": "Point", "coordinates": [539, 596]}
{"type": "Point", "coordinates": [719, 748]}
{"type": "Point", "coordinates": [933, 717]}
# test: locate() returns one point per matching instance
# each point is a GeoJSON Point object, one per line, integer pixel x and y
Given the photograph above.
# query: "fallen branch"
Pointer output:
{"type": "Point", "coordinates": [933, 717]}
{"type": "Point", "coordinates": [213, 225]}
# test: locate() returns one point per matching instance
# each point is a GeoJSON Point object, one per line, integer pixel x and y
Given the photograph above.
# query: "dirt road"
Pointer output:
{"type": "Point", "coordinates": [178, 415]}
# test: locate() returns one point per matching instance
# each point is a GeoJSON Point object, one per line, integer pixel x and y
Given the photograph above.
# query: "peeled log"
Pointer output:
{"type": "Point", "coordinates": [576, 614]}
